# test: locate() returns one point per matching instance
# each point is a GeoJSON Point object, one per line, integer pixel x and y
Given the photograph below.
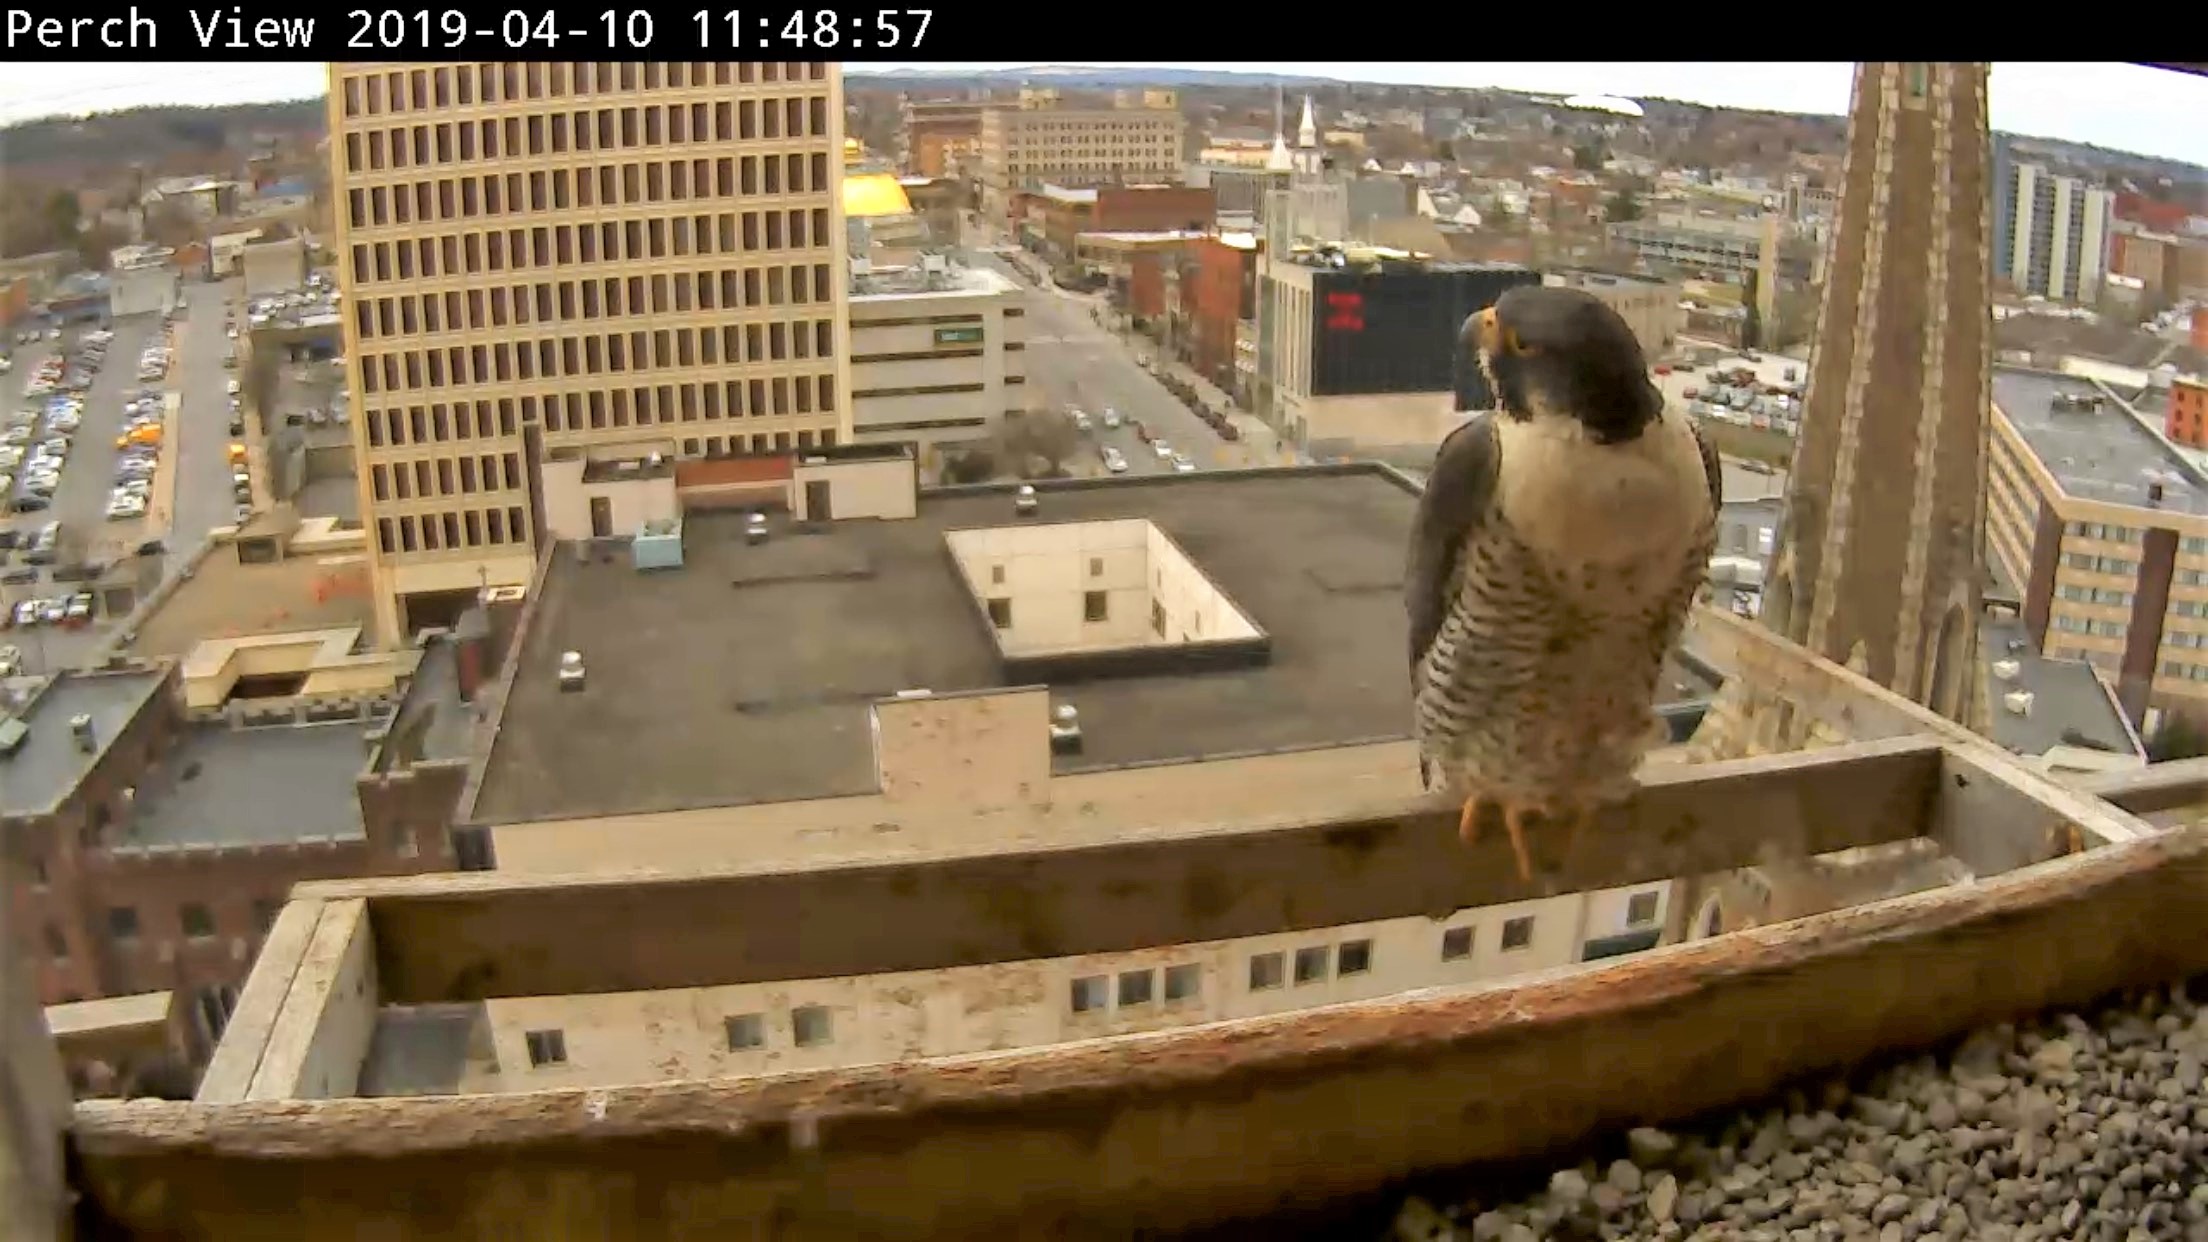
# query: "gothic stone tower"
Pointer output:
{"type": "Point", "coordinates": [1880, 552]}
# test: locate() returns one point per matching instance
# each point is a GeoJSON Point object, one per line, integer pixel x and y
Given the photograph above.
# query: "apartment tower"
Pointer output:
{"type": "Point", "coordinates": [1881, 551]}
{"type": "Point", "coordinates": [611, 259]}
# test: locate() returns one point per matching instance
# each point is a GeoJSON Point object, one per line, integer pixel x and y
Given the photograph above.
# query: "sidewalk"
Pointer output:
{"type": "Point", "coordinates": [1259, 446]}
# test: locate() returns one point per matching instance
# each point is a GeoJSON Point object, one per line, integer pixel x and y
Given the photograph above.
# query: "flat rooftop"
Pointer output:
{"type": "Point", "coordinates": [226, 599]}
{"type": "Point", "coordinates": [2105, 454]}
{"type": "Point", "coordinates": [47, 763]}
{"type": "Point", "coordinates": [222, 786]}
{"type": "Point", "coordinates": [747, 675]}
{"type": "Point", "coordinates": [2070, 707]}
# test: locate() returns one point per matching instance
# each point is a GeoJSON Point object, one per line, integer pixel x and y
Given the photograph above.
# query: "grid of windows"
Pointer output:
{"type": "Point", "coordinates": [603, 250]}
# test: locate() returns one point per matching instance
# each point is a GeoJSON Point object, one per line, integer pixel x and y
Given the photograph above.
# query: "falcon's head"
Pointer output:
{"type": "Point", "coordinates": [1562, 353]}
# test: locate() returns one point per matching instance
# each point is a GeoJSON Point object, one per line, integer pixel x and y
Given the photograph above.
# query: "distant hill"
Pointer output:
{"type": "Point", "coordinates": [1081, 77]}
{"type": "Point", "coordinates": [159, 138]}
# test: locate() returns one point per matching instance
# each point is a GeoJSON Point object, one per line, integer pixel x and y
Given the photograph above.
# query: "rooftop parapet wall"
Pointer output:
{"type": "Point", "coordinates": [1115, 1135]}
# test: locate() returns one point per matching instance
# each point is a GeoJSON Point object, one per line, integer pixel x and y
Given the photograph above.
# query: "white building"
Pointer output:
{"type": "Point", "coordinates": [937, 355]}
{"type": "Point", "coordinates": [142, 280]}
{"type": "Point", "coordinates": [2051, 233]}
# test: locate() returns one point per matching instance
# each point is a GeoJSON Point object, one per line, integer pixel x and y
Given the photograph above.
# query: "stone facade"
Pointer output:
{"type": "Point", "coordinates": [1880, 553]}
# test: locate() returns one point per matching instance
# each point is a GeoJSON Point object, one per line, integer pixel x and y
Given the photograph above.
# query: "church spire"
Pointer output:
{"type": "Point", "coordinates": [1307, 130]}
{"type": "Point", "coordinates": [1280, 160]}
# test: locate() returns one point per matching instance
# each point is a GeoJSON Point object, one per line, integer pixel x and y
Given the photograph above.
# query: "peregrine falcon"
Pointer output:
{"type": "Point", "coordinates": [1558, 547]}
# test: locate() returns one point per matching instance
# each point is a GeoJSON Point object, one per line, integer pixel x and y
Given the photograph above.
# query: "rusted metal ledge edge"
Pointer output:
{"type": "Point", "coordinates": [2018, 939]}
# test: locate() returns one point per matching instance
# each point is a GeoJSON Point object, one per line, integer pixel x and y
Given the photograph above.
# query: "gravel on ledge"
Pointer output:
{"type": "Point", "coordinates": [2067, 1127]}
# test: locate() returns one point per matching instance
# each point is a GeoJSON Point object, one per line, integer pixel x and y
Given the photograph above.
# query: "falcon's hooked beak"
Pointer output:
{"type": "Point", "coordinates": [1496, 340]}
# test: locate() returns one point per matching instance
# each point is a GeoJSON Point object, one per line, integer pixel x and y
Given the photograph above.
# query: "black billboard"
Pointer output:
{"type": "Point", "coordinates": [1395, 330]}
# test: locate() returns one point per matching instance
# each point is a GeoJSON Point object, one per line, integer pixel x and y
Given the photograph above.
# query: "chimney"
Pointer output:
{"type": "Point", "coordinates": [80, 727]}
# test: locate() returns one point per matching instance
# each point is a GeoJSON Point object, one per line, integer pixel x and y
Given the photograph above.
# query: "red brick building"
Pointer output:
{"type": "Point", "coordinates": [1223, 294]}
{"type": "Point", "coordinates": [147, 852]}
{"type": "Point", "coordinates": [2187, 422]}
{"type": "Point", "coordinates": [1066, 214]}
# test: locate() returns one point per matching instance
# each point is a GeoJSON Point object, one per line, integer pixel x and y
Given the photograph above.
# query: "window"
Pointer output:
{"type": "Point", "coordinates": [1183, 982]}
{"type": "Point", "coordinates": [745, 1030]}
{"type": "Point", "coordinates": [1456, 943]}
{"type": "Point", "coordinates": [1353, 957]}
{"type": "Point", "coordinates": [546, 1048]}
{"type": "Point", "coordinates": [1000, 613]}
{"type": "Point", "coordinates": [1311, 964]}
{"type": "Point", "coordinates": [1640, 908]}
{"type": "Point", "coordinates": [812, 1025]}
{"type": "Point", "coordinates": [1096, 567]}
{"type": "Point", "coordinates": [1136, 987]}
{"type": "Point", "coordinates": [122, 922]}
{"type": "Point", "coordinates": [1265, 971]}
{"type": "Point", "coordinates": [198, 922]}
{"type": "Point", "coordinates": [1518, 933]}
{"type": "Point", "coordinates": [1090, 993]}
{"type": "Point", "coordinates": [1095, 606]}
{"type": "Point", "coordinates": [996, 575]}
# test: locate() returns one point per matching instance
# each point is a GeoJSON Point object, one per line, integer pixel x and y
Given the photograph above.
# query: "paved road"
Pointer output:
{"type": "Point", "coordinates": [202, 497]}
{"type": "Point", "coordinates": [1073, 360]}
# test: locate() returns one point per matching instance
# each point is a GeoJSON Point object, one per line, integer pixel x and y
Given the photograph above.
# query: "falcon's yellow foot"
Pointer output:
{"type": "Point", "coordinates": [1468, 820]}
{"type": "Point", "coordinates": [1514, 823]}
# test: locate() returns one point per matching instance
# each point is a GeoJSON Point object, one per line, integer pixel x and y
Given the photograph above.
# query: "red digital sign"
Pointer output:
{"type": "Point", "coordinates": [1345, 312]}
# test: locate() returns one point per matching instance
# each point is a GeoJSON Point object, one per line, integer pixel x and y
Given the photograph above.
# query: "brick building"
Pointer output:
{"type": "Point", "coordinates": [2187, 422]}
{"type": "Point", "coordinates": [1057, 215]}
{"type": "Point", "coordinates": [1223, 296]}
{"type": "Point", "coordinates": [148, 850]}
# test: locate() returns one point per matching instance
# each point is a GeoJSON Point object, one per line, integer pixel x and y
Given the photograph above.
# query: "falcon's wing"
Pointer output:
{"type": "Point", "coordinates": [1711, 465]}
{"type": "Point", "coordinates": [1459, 490]}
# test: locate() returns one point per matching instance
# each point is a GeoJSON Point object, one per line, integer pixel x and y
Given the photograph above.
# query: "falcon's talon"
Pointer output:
{"type": "Point", "coordinates": [1468, 820]}
{"type": "Point", "coordinates": [1514, 823]}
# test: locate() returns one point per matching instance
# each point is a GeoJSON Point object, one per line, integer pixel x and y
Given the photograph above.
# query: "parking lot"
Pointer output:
{"type": "Point", "coordinates": [126, 460]}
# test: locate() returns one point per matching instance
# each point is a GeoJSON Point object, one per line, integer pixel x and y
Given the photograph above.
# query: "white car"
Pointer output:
{"type": "Point", "coordinates": [1111, 418]}
{"type": "Point", "coordinates": [1162, 449]}
{"type": "Point", "coordinates": [1115, 461]}
{"type": "Point", "coordinates": [30, 612]}
{"type": "Point", "coordinates": [1182, 465]}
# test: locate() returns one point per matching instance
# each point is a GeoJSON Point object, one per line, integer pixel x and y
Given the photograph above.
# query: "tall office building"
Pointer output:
{"type": "Point", "coordinates": [2051, 233]}
{"type": "Point", "coordinates": [1139, 140]}
{"type": "Point", "coordinates": [622, 262]}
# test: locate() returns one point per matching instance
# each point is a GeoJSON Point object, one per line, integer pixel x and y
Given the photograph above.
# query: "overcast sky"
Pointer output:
{"type": "Point", "coordinates": [2153, 111]}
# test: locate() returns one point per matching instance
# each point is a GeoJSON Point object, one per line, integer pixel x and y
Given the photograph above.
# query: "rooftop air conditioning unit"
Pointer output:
{"type": "Point", "coordinates": [571, 670]}
{"type": "Point", "coordinates": [2019, 702]}
{"type": "Point", "coordinates": [2005, 670]}
{"type": "Point", "coordinates": [1065, 729]}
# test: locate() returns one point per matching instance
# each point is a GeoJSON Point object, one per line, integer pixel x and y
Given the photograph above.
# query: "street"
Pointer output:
{"type": "Point", "coordinates": [201, 459]}
{"type": "Point", "coordinates": [1073, 360]}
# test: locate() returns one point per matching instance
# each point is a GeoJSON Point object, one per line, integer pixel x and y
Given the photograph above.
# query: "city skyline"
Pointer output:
{"type": "Point", "coordinates": [2123, 107]}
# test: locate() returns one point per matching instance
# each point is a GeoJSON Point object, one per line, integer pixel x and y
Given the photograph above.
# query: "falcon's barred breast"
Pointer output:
{"type": "Point", "coordinates": [1558, 549]}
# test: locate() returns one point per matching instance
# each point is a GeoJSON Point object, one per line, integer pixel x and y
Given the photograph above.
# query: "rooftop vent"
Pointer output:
{"type": "Point", "coordinates": [88, 738]}
{"type": "Point", "coordinates": [2019, 702]}
{"type": "Point", "coordinates": [1065, 729]}
{"type": "Point", "coordinates": [1023, 500]}
{"type": "Point", "coordinates": [2006, 670]}
{"type": "Point", "coordinates": [571, 670]}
